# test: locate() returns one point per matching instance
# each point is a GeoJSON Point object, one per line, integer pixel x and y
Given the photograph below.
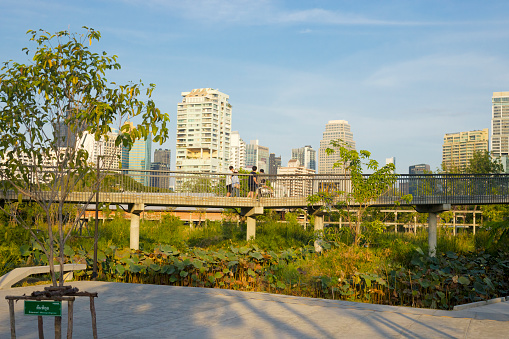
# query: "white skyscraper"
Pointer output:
{"type": "Point", "coordinates": [237, 151]}
{"type": "Point", "coordinates": [500, 127]}
{"type": "Point", "coordinates": [338, 130]}
{"type": "Point", "coordinates": [203, 131]}
{"type": "Point", "coordinates": [306, 156]}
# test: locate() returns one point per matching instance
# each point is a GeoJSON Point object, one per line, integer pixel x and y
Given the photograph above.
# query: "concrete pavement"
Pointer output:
{"type": "Point", "coordinates": [151, 311]}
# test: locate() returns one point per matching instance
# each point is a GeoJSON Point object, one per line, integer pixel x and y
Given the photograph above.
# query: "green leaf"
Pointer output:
{"type": "Point", "coordinates": [464, 280]}
{"type": "Point", "coordinates": [256, 255]}
{"type": "Point", "coordinates": [281, 285]}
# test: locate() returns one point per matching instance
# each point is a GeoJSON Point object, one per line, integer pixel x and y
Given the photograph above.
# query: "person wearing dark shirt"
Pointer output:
{"type": "Point", "coordinates": [252, 183]}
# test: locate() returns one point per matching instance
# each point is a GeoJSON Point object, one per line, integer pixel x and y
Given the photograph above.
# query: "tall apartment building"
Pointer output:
{"type": "Point", "coordinates": [338, 130]}
{"type": "Point", "coordinates": [458, 148]}
{"type": "Point", "coordinates": [103, 149]}
{"type": "Point", "coordinates": [237, 151]}
{"type": "Point", "coordinates": [306, 156]}
{"type": "Point", "coordinates": [300, 186]}
{"type": "Point", "coordinates": [138, 158]}
{"type": "Point", "coordinates": [257, 155]}
{"type": "Point", "coordinates": [274, 163]}
{"type": "Point", "coordinates": [203, 131]}
{"type": "Point", "coordinates": [500, 127]}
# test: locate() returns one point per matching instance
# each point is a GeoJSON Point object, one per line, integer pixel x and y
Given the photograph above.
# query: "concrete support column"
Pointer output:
{"type": "Point", "coordinates": [250, 214]}
{"type": "Point", "coordinates": [396, 222]}
{"type": "Point", "coordinates": [454, 223]}
{"type": "Point", "coordinates": [134, 236]}
{"type": "Point", "coordinates": [474, 222]}
{"type": "Point", "coordinates": [433, 211]}
{"type": "Point", "coordinates": [432, 233]}
{"type": "Point", "coordinates": [318, 228]}
{"type": "Point", "coordinates": [251, 228]}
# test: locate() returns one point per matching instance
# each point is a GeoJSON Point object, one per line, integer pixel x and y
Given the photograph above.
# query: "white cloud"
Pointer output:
{"type": "Point", "coordinates": [438, 69]}
{"type": "Point", "coordinates": [262, 12]}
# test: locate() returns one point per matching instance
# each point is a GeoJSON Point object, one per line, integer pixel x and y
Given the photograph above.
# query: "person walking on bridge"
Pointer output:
{"type": "Point", "coordinates": [235, 184]}
{"type": "Point", "coordinates": [229, 186]}
{"type": "Point", "coordinates": [252, 183]}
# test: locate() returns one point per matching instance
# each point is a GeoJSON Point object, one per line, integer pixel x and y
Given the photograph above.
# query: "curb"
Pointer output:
{"type": "Point", "coordinates": [480, 303]}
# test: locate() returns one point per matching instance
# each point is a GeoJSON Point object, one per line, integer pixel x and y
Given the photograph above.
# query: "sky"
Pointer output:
{"type": "Point", "coordinates": [402, 73]}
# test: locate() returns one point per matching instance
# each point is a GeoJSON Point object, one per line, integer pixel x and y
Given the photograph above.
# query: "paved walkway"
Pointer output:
{"type": "Point", "coordinates": [151, 311]}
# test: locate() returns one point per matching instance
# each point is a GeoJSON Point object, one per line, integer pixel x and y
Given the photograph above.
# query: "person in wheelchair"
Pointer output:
{"type": "Point", "coordinates": [264, 190]}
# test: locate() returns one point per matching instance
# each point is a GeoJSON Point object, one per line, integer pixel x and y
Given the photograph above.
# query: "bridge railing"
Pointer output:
{"type": "Point", "coordinates": [425, 188]}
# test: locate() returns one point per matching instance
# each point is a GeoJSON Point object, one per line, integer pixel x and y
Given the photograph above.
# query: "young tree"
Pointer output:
{"type": "Point", "coordinates": [364, 190]}
{"type": "Point", "coordinates": [48, 108]}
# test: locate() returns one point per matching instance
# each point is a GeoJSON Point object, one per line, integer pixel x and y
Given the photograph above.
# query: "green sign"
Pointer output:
{"type": "Point", "coordinates": [36, 307]}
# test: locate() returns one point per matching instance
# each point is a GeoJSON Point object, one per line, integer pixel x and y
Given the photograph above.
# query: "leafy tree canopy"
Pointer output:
{"type": "Point", "coordinates": [48, 107]}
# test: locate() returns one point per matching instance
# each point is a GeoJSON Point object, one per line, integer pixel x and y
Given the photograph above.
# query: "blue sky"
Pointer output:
{"type": "Point", "coordinates": [403, 73]}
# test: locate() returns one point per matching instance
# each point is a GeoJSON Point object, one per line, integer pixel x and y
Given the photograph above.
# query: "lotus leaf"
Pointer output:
{"type": "Point", "coordinates": [197, 264]}
{"type": "Point", "coordinates": [244, 250]}
{"type": "Point", "coordinates": [256, 255]}
{"type": "Point", "coordinates": [464, 280]}
{"type": "Point", "coordinates": [233, 263]}
{"type": "Point", "coordinates": [134, 268]}
{"type": "Point", "coordinates": [281, 285]}
{"type": "Point", "coordinates": [183, 274]}
{"type": "Point", "coordinates": [120, 269]}
{"type": "Point", "coordinates": [479, 288]}
{"type": "Point", "coordinates": [155, 267]}
{"type": "Point", "coordinates": [168, 269]}
{"type": "Point", "coordinates": [101, 256]}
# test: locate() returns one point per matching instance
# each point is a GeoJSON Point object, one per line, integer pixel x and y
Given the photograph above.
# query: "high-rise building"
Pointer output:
{"type": "Point", "coordinates": [338, 130]}
{"type": "Point", "coordinates": [237, 151]}
{"type": "Point", "coordinates": [459, 148]}
{"type": "Point", "coordinates": [500, 128]}
{"type": "Point", "coordinates": [419, 169]}
{"type": "Point", "coordinates": [138, 158]}
{"type": "Point", "coordinates": [257, 155]}
{"type": "Point", "coordinates": [159, 175]}
{"type": "Point", "coordinates": [300, 186]}
{"type": "Point", "coordinates": [160, 167]}
{"type": "Point", "coordinates": [306, 156]}
{"type": "Point", "coordinates": [274, 163]}
{"type": "Point", "coordinates": [103, 150]}
{"type": "Point", "coordinates": [163, 156]}
{"type": "Point", "coordinates": [203, 131]}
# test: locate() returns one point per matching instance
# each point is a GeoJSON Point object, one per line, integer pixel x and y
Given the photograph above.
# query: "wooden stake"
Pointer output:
{"type": "Point", "coordinates": [40, 327]}
{"type": "Point", "coordinates": [92, 311]}
{"type": "Point", "coordinates": [11, 313]}
{"type": "Point", "coordinates": [58, 327]}
{"type": "Point", "coordinates": [70, 307]}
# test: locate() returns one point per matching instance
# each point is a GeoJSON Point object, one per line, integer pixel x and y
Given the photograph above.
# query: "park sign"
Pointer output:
{"type": "Point", "coordinates": [39, 307]}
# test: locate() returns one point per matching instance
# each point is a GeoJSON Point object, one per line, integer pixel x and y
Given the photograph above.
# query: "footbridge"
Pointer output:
{"type": "Point", "coordinates": [427, 193]}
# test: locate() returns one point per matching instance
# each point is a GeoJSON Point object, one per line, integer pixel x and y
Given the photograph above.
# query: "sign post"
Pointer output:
{"type": "Point", "coordinates": [43, 307]}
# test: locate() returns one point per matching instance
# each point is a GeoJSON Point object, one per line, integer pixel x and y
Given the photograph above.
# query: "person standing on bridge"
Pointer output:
{"type": "Point", "coordinates": [229, 186]}
{"type": "Point", "coordinates": [235, 184]}
{"type": "Point", "coordinates": [252, 183]}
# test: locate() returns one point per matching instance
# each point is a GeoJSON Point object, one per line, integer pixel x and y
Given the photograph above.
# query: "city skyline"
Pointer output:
{"type": "Point", "coordinates": [403, 74]}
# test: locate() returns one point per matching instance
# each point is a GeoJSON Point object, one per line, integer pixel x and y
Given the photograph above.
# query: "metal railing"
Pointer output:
{"type": "Point", "coordinates": [290, 189]}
